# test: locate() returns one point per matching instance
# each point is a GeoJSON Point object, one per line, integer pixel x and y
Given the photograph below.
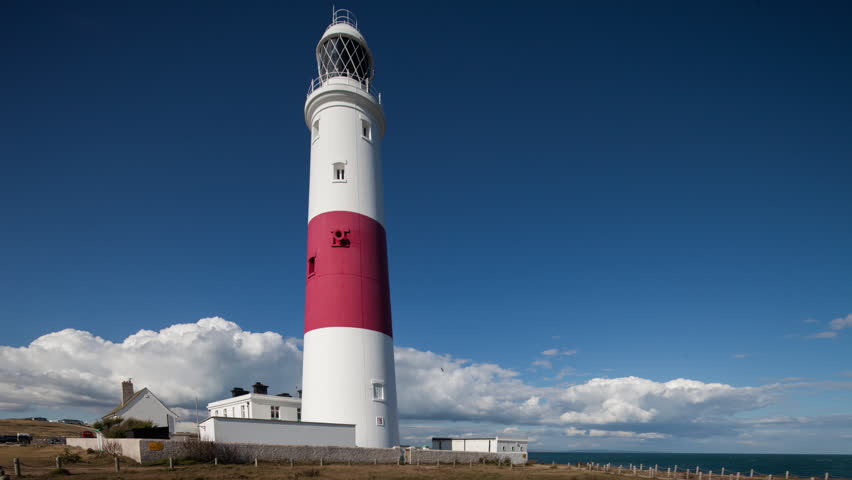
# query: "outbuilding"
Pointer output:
{"type": "Point", "coordinates": [481, 444]}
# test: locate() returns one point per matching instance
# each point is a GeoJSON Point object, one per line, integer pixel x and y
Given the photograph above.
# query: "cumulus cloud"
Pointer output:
{"type": "Point", "coordinates": [76, 369]}
{"type": "Point", "coordinates": [179, 363]}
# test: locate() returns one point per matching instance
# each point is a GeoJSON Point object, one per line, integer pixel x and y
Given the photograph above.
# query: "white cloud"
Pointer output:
{"type": "Point", "coordinates": [554, 352]}
{"type": "Point", "coordinates": [75, 369]}
{"type": "Point", "coordinates": [683, 403]}
{"type": "Point", "coordinates": [543, 363]}
{"type": "Point", "coordinates": [823, 335]}
{"type": "Point", "coordinates": [841, 323]}
{"type": "Point", "coordinates": [577, 432]}
{"type": "Point", "coordinates": [179, 363]}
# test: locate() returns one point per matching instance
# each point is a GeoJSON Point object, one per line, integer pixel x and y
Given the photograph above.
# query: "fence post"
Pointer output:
{"type": "Point", "coordinates": [669, 472]}
{"type": "Point", "coordinates": [700, 475]}
{"type": "Point", "coordinates": [117, 464]}
{"type": "Point", "coordinates": [787, 475]}
{"type": "Point", "coordinates": [58, 462]}
{"type": "Point", "coordinates": [723, 471]}
{"type": "Point", "coordinates": [320, 461]}
{"type": "Point", "coordinates": [751, 474]}
{"type": "Point", "coordinates": [738, 475]}
{"type": "Point", "coordinates": [16, 466]}
{"type": "Point", "coordinates": [375, 461]}
{"type": "Point", "coordinates": [710, 475]}
{"type": "Point", "coordinates": [171, 464]}
{"type": "Point", "coordinates": [471, 465]}
{"type": "Point", "coordinates": [215, 460]}
{"type": "Point", "coordinates": [826, 475]}
{"type": "Point", "coordinates": [291, 463]}
{"type": "Point", "coordinates": [255, 461]}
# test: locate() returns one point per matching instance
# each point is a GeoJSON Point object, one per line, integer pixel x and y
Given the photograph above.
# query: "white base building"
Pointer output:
{"type": "Point", "coordinates": [481, 444]}
{"type": "Point", "coordinates": [142, 405]}
{"type": "Point", "coordinates": [276, 432]}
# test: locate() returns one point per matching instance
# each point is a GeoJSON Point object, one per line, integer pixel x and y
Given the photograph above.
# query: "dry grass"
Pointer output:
{"type": "Point", "coordinates": [38, 461]}
{"type": "Point", "coordinates": [40, 429]}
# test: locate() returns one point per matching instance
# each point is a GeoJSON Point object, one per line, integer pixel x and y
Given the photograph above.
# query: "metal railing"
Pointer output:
{"type": "Point", "coordinates": [362, 85]}
{"type": "Point", "coordinates": [341, 15]}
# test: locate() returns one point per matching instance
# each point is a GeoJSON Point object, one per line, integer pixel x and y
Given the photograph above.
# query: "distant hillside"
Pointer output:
{"type": "Point", "coordinates": [40, 429]}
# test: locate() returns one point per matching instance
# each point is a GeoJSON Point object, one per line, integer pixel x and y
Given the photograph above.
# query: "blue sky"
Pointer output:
{"type": "Point", "coordinates": [662, 188]}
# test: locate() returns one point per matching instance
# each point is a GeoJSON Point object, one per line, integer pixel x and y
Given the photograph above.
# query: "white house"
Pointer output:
{"type": "Point", "coordinates": [258, 417]}
{"type": "Point", "coordinates": [257, 405]}
{"type": "Point", "coordinates": [143, 405]}
{"type": "Point", "coordinates": [481, 444]}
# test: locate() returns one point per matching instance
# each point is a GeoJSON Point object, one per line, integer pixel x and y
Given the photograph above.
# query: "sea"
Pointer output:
{"type": "Point", "coordinates": [837, 466]}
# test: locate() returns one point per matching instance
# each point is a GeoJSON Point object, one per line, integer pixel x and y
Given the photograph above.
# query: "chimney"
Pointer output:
{"type": "Point", "coordinates": [126, 390]}
{"type": "Point", "coordinates": [260, 388]}
{"type": "Point", "coordinates": [238, 391]}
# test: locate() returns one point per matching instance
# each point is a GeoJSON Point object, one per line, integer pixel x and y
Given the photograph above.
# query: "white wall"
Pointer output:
{"type": "Point", "coordinates": [256, 406]}
{"type": "Point", "coordinates": [274, 432]}
{"type": "Point", "coordinates": [147, 407]}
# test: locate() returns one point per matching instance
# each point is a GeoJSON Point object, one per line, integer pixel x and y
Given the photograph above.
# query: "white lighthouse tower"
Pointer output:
{"type": "Point", "coordinates": [348, 374]}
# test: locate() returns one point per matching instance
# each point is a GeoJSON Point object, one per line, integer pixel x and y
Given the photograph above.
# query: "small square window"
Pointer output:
{"type": "Point", "coordinates": [380, 421]}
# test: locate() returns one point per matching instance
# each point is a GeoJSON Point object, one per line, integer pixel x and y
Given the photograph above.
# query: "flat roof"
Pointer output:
{"type": "Point", "coordinates": [508, 439]}
{"type": "Point", "coordinates": [258, 396]}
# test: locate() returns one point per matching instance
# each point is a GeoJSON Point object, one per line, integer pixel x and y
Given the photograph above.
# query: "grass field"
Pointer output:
{"type": "Point", "coordinates": [38, 461]}
{"type": "Point", "coordinates": [40, 429]}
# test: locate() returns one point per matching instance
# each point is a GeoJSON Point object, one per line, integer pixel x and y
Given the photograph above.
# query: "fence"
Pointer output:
{"type": "Point", "coordinates": [680, 473]}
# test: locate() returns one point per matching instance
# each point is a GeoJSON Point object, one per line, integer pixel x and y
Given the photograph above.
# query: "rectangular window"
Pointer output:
{"type": "Point", "coordinates": [366, 130]}
{"type": "Point", "coordinates": [275, 412]}
{"type": "Point", "coordinates": [378, 391]}
{"type": "Point", "coordinates": [312, 266]}
{"type": "Point", "coordinates": [339, 172]}
{"type": "Point", "coordinates": [315, 131]}
{"type": "Point", "coordinates": [380, 421]}
{"type": "Point", "coordinates": [299, 414]}
{"type": "Point", "coordinates": [243, 411]}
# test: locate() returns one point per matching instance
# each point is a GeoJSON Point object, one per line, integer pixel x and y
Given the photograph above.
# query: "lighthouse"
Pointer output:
{"type": "Point", "coordinates": [348, 371]}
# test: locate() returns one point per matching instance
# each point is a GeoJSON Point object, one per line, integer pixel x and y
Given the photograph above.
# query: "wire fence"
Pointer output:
{"type": "Point", "coordinates": [681, 473]}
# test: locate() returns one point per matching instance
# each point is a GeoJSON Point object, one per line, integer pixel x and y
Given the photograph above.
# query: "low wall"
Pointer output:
{"type": "Point", "coordinates": [128, 447]}
{"type": "Point", "coordinates": [448, 456]}
{"type": "Point", "coordinates": [147, 451]}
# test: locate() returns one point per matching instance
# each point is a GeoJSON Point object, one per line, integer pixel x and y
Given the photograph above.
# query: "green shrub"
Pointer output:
{"type": "Point", "coordinates": [59, 471]}
{"type": "Point", "coordinates": [117, 427]}
{"type": "Point", "coordinates": [68, 457]}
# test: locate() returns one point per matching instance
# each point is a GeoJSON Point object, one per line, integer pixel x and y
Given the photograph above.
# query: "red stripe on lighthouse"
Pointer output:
{"type": "Point", "coordinates": [347, 270]}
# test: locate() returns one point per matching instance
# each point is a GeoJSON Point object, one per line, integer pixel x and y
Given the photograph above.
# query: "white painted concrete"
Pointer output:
{"type": "Point", "coordinates": [275, 432]}
{"type": "Point", "coordinates": [486, 444]}
{"type": "Point", "coordinates": [339, 361]}
{"type": "Point", "coordinates": [339, 111]}
{"type": "Point", "coordinates": [256, 405]}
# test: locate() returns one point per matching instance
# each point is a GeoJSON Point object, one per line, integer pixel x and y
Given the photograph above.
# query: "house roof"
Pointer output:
{"type": "Point", "coordinates": [132, 399]}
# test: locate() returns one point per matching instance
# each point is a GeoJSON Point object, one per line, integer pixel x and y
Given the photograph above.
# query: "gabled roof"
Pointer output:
{"type": "Point", "coordinates": [132, 399]}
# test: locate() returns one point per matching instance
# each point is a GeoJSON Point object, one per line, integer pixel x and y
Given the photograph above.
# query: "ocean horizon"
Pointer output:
{"type": "Point", "coordinates": [776, 464]}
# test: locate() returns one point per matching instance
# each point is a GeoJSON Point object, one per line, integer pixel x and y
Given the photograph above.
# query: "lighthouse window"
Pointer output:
{"type": "Point", "coordinates": [380, 421]}
{"type": "Point", "coordinates": [312, 266]}
{"type": "Point", "coordinates": [339, 172]}
{"type": "Point", "coordinates": [366, 130]}
{"type": "Point", "coordinates": [315, 131]}
{"type": "Point", "coordinates": [378, 391]}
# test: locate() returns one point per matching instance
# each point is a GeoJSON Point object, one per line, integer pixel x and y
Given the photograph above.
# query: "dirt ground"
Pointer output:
{"type": "Point", "coordinates": [40, 429]}
{"type": "Point", "coordinates": [38, 461]}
